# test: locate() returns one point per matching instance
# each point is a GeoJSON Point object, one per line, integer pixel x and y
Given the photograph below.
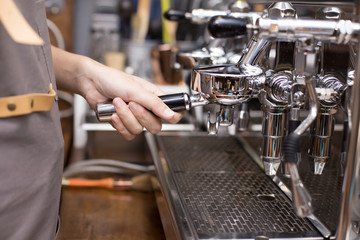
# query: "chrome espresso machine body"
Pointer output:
{"type": "Point", "coordinates": [297, 178]}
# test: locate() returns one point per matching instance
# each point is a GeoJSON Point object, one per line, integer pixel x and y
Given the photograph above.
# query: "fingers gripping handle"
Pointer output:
{"type": "Point", "coordinates": [176, 102]}
{"type": "Point", "coordinates": [227, 26]}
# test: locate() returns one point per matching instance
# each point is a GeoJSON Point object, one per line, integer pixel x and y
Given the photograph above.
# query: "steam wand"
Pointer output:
{"type": "Point", "coordinates": [301, 197]}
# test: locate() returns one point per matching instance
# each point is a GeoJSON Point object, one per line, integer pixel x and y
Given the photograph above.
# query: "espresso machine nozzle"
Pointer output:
{"type": "Point", "coordinates": [243, 117]}
{"type": "Point", "coordinates": [275, 107]}
{"type": "Point", "coordinates": [330, 93]}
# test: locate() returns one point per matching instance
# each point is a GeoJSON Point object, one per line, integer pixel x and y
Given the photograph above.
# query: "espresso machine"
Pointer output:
{"type": "Point", "coordinates": [297, 178]}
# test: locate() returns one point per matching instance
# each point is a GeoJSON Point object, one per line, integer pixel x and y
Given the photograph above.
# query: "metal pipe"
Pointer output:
{"type": "Point", "coordinates": [243, 116]}
{"type": "Point", "coordinates": [274, 131]}
{"type": "Point", "coordinates": [342, 31]}
{"type": "Point", "coordinates": [305, 124]}
{"type": "Point", "coordinates": [321, 135]}
{"type": "Point", "coordinates": [351, 178]}
{"type": "Point", "coordinates": [252, 55]}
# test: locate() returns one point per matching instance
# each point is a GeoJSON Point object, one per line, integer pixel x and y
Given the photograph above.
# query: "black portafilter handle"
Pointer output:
{"type": "Point", "coordinates": [227, 27]}
{"type": "Point", "coordinates": [176, 102]}
{"type": "Point", "coordinates": [293, 124]}
{"type": "Point", "coordinates": [175, 15]}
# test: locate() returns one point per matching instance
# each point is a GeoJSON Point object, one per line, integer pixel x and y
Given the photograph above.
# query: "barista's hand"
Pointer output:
{"type": "Point", "coordinates": [132, 96]}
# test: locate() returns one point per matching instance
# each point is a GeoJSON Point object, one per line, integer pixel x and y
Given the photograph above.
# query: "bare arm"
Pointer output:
{"type": "Point", "coordinates": [98, 84]}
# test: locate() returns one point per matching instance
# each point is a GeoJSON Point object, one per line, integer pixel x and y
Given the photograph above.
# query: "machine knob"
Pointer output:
{"type": "Point", "coordinates": [175, 15]}
{"type": "Point", "coordinates": [226, 27]}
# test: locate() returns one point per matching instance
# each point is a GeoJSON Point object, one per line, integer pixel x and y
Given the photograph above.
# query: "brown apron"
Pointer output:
{"type": "Point", "coordinates": [31, 145]}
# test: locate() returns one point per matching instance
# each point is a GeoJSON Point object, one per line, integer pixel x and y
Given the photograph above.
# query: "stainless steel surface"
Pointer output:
{"type": "Point", "coordinates": [104, 112]}
{"type": "Point", "coordinates": [196, 100]}
{"type": "Point", "coordinates": [313, 109]}
{"type": "Point", "coordinates": [331, 13]}
{"type": "Point", "coordinates": [252, 55]}
{"type": "Point", "coordinates": [321, 132]}
{"type": "Point", "coordinates": [221, 192]}
{"type": "Point", "coordinates": [350, 192]}
{"type": "Point", "coordinates": [218, 86]}
{"type": "Point", "coordinates": [239, 6]}
{"type": "Point", "coordinates": [273, 135]}
{"type": "Point", "coordinates": [281, 10]}
{"type": "Point", "coordinates": [226, 115]}
{"type": "Point", "coordinates": [325, 189]}
{"type": "Point", "coordinates": [301, 197]}
{"type": "Point", "coordinates": [275, 107]}
{"type": "Point", "coordinates": [202, 15]}
{"type": "Point", "coordinates": [340, 3]}
{"type": "Point", "coordinates": [213, 126]}
{"type": "Point", "coordinates": [279, 87]}
{"type": "Point", "coordinates": [323, 127]}
{"type": "Point", "coordinates": [243, 117]}
{"type": "Point", "coordinates": [340, 32]}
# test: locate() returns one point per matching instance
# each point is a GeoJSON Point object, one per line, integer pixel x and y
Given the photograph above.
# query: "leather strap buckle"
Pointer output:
{"type": "Point", "coordinates": [27, 103]}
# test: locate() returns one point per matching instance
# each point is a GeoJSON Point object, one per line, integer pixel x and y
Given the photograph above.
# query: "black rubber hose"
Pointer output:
{"type": "Point", "coordinates": [291, 147]}
{"type": "Point", "coordinates": [293, 124]}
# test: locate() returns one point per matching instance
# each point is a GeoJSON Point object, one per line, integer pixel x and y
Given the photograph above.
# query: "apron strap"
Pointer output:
{"type": "Point", "coordinates": [26, 104]}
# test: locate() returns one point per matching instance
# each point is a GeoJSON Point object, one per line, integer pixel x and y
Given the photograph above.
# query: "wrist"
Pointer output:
{"type": "Point", "coordinates": [84, 75]}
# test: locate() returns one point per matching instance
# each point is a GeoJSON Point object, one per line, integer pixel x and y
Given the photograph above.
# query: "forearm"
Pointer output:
{"type": "Point", "coordinates": [69, 70]}
{"type": "Point", "coordinates": [82, 75]}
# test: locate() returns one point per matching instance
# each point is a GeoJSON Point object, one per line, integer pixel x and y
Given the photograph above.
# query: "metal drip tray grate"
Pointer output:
{"type": "Point", "coordinates": [225, 194]}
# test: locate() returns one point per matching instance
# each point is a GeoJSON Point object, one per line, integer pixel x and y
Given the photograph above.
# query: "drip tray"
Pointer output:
{"type": "Point", "coordinates": [214, 190]}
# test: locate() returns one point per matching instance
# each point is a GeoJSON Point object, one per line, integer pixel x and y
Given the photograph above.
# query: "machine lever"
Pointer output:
{"type": "Point", "coordinates": [227, 26]}
{"type": "Point", "coordinates": [175, 15]}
